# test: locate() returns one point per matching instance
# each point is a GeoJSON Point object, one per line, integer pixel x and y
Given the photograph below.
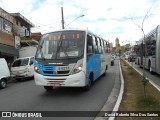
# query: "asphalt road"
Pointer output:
{"type": "Point", "coordinates": [26, 96]}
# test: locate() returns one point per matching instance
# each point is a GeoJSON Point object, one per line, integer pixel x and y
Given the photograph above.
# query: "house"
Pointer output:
{"type": "Point", "coordinates": [14, 28]}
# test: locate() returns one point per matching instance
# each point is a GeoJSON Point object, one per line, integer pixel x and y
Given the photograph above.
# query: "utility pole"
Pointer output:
{"type": "Point", "coordinates": [62, 18]}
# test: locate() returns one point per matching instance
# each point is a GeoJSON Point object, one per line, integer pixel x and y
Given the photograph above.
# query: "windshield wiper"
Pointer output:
{"type": "Point", "coordinates": [59, 46]}
{"type": "Point", "coordinates": [58, 51]}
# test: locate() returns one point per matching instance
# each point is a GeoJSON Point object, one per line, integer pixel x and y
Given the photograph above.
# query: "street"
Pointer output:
{"type": "Point", "coordinates": [26, 96]}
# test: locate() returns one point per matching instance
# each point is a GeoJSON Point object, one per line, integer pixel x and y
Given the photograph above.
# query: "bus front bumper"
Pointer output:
{"type": "Point", "coordinates": [75, 80]}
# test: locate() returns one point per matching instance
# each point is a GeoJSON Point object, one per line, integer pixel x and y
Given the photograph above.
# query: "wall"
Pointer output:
{"type": "Point", "coordinates": [6, 28]}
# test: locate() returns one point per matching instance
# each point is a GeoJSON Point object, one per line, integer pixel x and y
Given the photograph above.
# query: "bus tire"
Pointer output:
{"type": "Point", "coordinates": [48, 88]}
{"type": "Point", "coordinates": [149, 68]}
{"type": "Point", "coordinates": [88, 87]}
{"type": "Point", "coordinates": [3, 83]}
{"type": "Point", "coordinates": [105, 71]}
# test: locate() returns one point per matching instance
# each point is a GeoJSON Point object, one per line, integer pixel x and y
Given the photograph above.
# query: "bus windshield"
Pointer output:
{"type": "Point", "coordinates": [61, 45]}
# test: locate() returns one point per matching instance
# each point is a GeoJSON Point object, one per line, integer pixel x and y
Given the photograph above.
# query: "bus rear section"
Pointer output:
{"type": "Point", "coordinates": [148, 51]}
{"type": "Point", "coordinates": [62, 60]}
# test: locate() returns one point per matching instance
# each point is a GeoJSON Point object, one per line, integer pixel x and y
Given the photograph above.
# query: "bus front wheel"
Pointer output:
{"type": "Point", "coordinates": [88, 86]}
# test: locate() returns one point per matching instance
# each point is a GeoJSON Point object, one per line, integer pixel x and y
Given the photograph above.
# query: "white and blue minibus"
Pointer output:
{"type": "Point", "coordinates": [70, 58]}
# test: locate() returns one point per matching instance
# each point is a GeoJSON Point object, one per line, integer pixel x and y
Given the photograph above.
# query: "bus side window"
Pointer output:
{"type": "Point", "coordinates": [102, 46]}
{"type": "Point", "coordinates": [99, 46]}
{"type": "Point", "coordinates": [95, 45]}
{"type": "Point", "coordinates": [105, 47]}
{"type": "Point", "coordinates": [89, 44]}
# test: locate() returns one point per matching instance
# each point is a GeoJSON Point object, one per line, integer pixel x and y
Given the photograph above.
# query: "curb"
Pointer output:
{"type": "Point", "coordinates": [120, 93]}
{"type": "Point", "coordinates": [114, 100]}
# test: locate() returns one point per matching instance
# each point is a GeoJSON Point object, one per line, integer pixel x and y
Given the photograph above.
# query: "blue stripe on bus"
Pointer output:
{"type": "Point", "coordinates": [36, 64]}
{"type": "Point", "coordinates": [45, 68]}
{"type": "Point", "coordinates": [93, 65]}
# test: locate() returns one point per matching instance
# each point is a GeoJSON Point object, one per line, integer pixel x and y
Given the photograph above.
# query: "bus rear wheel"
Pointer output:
{"type": "Point", "coordinates": [150, 68]}
{"type": "Point", "coordinates": [105, 70]}
{"type": "Point", "coordinates": [48, 88]}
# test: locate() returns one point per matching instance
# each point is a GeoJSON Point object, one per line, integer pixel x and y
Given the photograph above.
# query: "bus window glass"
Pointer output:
{"type": "Point", "coordinates": [151, 45]}
{"type": "Point", "coordinates": [105, 47]}
{"type": "Point", "coordinates": [99, 46]}
{"type": "Point", "coordinates": [95, 47]}
{"type": "Point", "coordinates": [61, 45]}
{"type": "Point", "coordinates": [102, 46]}
{"type": "Point", "coordinates": [89, 44]}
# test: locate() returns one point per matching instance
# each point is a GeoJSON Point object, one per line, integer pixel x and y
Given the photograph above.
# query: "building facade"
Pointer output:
{"type": "Point", "coordinates": [7, 42]}
{"type": "Point", "coordinates": [22, 29]}
{"type": "Point", "coordinates": [117, 45]}
{"type": "Point", "coordinates": [13, 28]}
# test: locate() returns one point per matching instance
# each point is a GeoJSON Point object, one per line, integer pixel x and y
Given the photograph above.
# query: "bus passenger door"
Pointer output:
{"type": "Point", "coordinates": [95, 57]}
{"type": "Point", "coordinates": [91, 58]}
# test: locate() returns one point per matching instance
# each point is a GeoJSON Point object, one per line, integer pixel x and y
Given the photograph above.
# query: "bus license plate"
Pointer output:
{"type": "Point", "coordinates": [55, 84]}
{"type": "Point", "coordinates": [63, 68]}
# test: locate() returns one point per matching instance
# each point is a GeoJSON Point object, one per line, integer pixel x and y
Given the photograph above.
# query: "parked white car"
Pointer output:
{"type": "Point", "coordinates": [22, 68]}
{"type": "Point", "coordinates": [4, 73]}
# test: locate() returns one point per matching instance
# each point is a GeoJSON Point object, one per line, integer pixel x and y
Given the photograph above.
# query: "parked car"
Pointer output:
{"type": "Point", "coordinates": [22, 68]}
{"type": "Point", "coordinates": [4, 73]}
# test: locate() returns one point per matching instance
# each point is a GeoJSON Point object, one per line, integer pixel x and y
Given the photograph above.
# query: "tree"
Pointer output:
{"type": "Point", "coordinates": [144, 80]}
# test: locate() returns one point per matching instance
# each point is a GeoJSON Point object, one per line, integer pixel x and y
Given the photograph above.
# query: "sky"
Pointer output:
{"type": "Point", "coordinates": [109, 19]}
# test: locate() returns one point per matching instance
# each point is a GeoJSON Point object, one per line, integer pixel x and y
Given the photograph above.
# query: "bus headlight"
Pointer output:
{"type": "Point", "coordinates": [36, 69]}
{"type": "Point", "coordinates": [77, 69]}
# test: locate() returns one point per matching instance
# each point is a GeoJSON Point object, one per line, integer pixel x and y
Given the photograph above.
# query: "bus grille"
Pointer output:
{"type": "Point", "coordinates": [54, 72]}
{"type": "Point", "coordinates": [50, 70]}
